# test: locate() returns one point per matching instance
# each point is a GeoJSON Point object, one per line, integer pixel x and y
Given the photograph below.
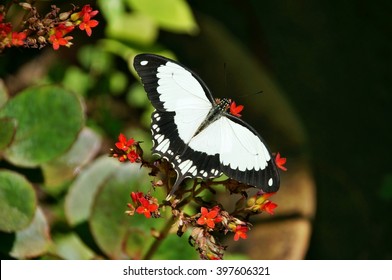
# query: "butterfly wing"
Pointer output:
{"type": "Point", "coordinates": [182, 102]}
{"type": "Point", "coordinates": [243, 155]}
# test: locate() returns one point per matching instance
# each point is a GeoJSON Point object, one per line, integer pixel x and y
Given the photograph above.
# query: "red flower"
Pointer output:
{"type": "Point", "coordinates": [136, 196]}
{"type": "Point", "coordinates": [269, 207]}
{"type": "Point", "coordinates": [236, 110]}
{"type": "Point", "coordinates": [280, 161]}
{"type": "Point", "coordinates": [240, 232]}
{"type": "Point", "coordinates": [18, 38]}
{"type": "Point", "coordinates": [87, 24]}
{"type": "Point", "coordinates": [146, 207]}
{"type": "Point", "coordinates": [57, 40]}
{"type": "Point", "coordinates": [260, 202]}
{"type": "Point", "coordinates": [64, 29]}
{"type": "Point", "coordinates": [123, 143]}
{"type": "Point", "coordinates": [209, 218]}
{"type": "Point", "coordinates": [87, 10]}
{"type": "Point", "coordinates": [132, 156]}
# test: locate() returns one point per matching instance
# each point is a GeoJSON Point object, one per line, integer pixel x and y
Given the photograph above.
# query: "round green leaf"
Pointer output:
{"type": "Point", "coordinates": [17, 201]}
{"type": "Point", "coordinates": [49, 119]}
{"type": "Point", "coordinates": [71, 247]}
{"type": "Point", "coordinates": [80, 197]}
{"type": "Point", "coordinates": [173, 15]}
{"type": "Point", "coordinates": [133, 27]}
{"type": "Point", "coordinates": [7, 132]}
{"type": "Point", "coordinates": [113, 230]}
{"type": "Point", "coordinates": [66, 166]}
{"type": "Point", "coordinates": [34, 240]}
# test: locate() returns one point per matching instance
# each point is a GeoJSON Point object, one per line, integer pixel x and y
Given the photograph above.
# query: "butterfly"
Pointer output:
{"type": "Point", "coordinates": [197, 134]}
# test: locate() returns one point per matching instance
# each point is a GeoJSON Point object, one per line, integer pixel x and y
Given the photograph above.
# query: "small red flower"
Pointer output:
{"type": "Point", "coordinates": [57, 40]}
{"type": "Point", "coordinates": [87, 10]}
{"type": "Point", "coordinates": [64, 29]}
{"type": "Point", "coordinates": [87, 24]}
{"type": "Point", "coordinates": [136, 196]}
{"type": "Point", "coordinates": [269, 207]}
{"type": "Point", "coordinates": [260, 202]}
{"type": "Point", "coordinates": [18, 38]}
{"type": "Point", "coordinates": [280, 162]}
{"type": "Point", "coordinates": [236, 110]}
{"type": "Point", "coordinates": [146, 207]}
{"type": "Point", "coordinates": [240, 232]}
{"type": "Point", "coordinates": [132, 156]}
{"type": "Point", "coordinates": [209, 218]}
{"type": "Point", "coordinates": [123, 143]}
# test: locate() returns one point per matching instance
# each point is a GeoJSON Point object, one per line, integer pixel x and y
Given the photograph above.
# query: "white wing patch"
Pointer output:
{"type": "Point", "coordinates": [236, 145]}
{"type": "Point", "coordinates": [181, 93]}
{"type": "Point", "coordinates": [179, 89]}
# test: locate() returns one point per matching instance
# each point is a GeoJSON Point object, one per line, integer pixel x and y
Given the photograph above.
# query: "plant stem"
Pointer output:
{"type": "Point", "coordinates": [157, 242]}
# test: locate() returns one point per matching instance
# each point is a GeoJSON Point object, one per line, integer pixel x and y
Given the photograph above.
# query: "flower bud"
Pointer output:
{"type": "Point", "coordinates": [251, 201]}
{"type": "Point", "coordinates": [25, 5]}
{"type": "Point", "coordinates": [64, 16]}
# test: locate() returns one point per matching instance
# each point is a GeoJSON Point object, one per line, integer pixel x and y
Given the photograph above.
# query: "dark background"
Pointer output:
{"type": "Point", "coordinates": [333, 61]}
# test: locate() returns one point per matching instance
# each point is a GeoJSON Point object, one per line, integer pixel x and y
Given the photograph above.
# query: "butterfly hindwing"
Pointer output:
{"type": "Point", "coordinates": [250, 161]}
{"type": "Point", "coordinates": [242, 154]}
{"type": "Point", "coordinates": [227, 144]}
{"type": "Point", "coordinates": [186, 161]}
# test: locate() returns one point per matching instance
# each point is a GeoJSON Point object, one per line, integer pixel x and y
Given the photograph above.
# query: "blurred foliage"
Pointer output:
{"type": "Point", "coordinates": [58, 197]}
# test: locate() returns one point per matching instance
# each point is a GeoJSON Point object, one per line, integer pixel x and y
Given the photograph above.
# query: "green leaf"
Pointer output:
{"type": "Point", "coordinates": [80, 197]}
{"type": "Point", "coordinates": [7, 132]}
{"type": "Point", "coordinates": [172, 15]}
{"type": "Point", "coordinates": [68, 165]}
{"type": "Point", "coordinates": [110, 226]}
{"type": "Point", "coordinates": [17, 201]}
{"type": "Point", "coordinates": [71, 247]}
{"type": "Point", "coordinates": [111, 9]}
{"type": "Point", "coordinates": [133, 27]}
{"type": "Point", "coordinates": [49, 119]}
{"type": "Point", "coordinates": [34, 240]}
{"type": "Point", "coordinates": [137, 96]}
{"type": "Point", "coordinates": [3, 93]}
{"type": "Point", "coordinates": [176, 248]}
{"type": "Point", "coordinates": [96, 60]}
{"type": "Point", "coordinates": [77, 81]}
{"type": "Point", "coordinates": [117, 82]}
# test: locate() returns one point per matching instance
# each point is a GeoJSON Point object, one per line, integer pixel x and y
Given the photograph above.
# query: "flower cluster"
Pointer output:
{"type": "Point", "coordinates": [126, 150]}
{"type": "Point", "coordinates": [143, 204]}
{"type": "Point", "coordinates": [260, 203]}
{"type": "Point", "coordinates": [54, 28]}
{"type": "Point", "coordinates": [210, 222]}
{"type": "Point", "coordinates": [206, 225]}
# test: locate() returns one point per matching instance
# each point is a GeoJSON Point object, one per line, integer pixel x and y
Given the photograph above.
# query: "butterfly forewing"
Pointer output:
{"type": "Point", "coordinates": [226, 144]}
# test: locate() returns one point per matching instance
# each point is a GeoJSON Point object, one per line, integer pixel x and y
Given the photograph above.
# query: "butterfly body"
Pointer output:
{"type": "Point", "coordinates": [196, 134]}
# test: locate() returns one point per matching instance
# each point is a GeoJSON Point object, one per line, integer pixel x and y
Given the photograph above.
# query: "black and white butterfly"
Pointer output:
{"type": "Point", "coordinates": [196, 134]}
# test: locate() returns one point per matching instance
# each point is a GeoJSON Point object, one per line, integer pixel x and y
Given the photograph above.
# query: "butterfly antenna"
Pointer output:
{"type": "Point", "coordinates": [225, 77]}
{"type": "Point", "coordinates": [252, 94]}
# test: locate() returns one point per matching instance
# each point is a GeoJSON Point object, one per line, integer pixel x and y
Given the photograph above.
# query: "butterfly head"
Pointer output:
{"type": "Point", "coordinates": [226, 104]}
